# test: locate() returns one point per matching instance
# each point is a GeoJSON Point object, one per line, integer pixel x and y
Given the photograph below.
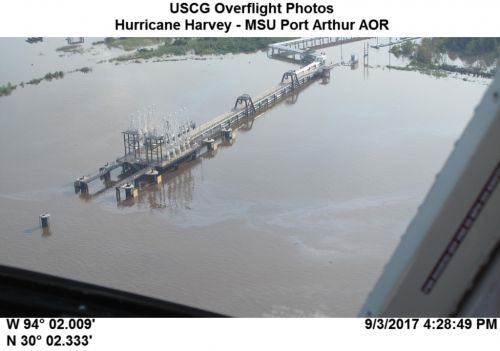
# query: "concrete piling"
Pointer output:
{"type": "Point", "coordinates": [44, 220]}
{"type": "Point", "coordinates": [129, 190]}
{"type": "Point", "coordinates": [227, 134]}
{"type": "Point", "coordinates": [210, 143]}
{"type": "Point", "coordinates": [81, 185]}
{"type": "Point", "coordinates": [153, 176]}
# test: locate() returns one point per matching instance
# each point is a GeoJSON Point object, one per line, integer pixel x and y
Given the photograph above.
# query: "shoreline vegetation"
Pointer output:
{"type": "Point", "coordinates": [150, 48]}
{"type": "Point", "coordinates": [154, 48]}
{"type": "Point", "coordinates": [7, 89]}
{"type": "Point", "coordinates": [480, 56]}
{"type": "Point", "coordinates": [72, 48]}
{"type": "Point", "coordinates": [430, 56]}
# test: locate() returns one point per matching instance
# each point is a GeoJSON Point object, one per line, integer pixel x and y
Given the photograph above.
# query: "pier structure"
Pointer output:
{"type": "Point", "coordinates": [149, 153]}
{"type": "Point", "coordinates": [252, 106]}
{"type": "Point", "coordinates": [75, 40]}
{"type": "Point", "coordinates": [303, 50]}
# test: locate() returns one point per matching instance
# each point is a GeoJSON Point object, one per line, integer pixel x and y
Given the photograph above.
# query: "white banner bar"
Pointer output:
{"type": "Point", "coordinates": [237, 18]}
{"type": "Point", "coordinates": [248, 334]}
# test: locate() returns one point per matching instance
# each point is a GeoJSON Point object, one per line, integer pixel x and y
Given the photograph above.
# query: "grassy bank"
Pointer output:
{"type": "Point", "coordinates": [71, 49]}
{"type": "Point", "coordinates": [47, 77]}
{"type": "Point", "coordinates": [421, 69]}
{"type": "Point", "coordinates": [129, 44]}
{"type": "Point", "coordinates": [7, 89]}
{"type": "Point", "coordinates": [197, 46]}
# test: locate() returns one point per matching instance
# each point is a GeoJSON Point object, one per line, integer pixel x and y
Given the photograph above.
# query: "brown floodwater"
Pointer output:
{"type": "Point", "coordinates": [296, 218]}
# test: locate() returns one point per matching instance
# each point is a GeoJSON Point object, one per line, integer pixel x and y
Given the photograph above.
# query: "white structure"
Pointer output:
{"type": "Point", "coordinates": [448, 261]}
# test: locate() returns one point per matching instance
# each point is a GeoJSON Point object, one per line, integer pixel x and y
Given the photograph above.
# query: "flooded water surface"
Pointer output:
{"type": "Point", "coordinates": [296, 218]}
